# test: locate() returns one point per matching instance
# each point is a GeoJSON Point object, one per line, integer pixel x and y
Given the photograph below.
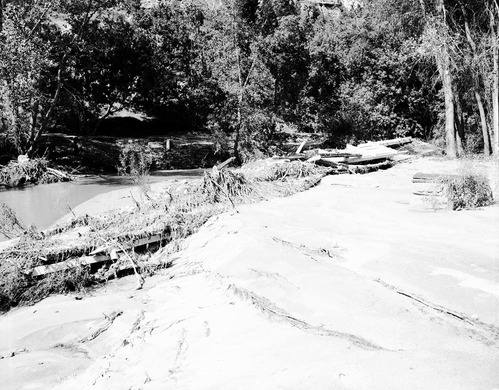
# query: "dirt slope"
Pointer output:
{"type": "Point", "coordinates": [354, 284]}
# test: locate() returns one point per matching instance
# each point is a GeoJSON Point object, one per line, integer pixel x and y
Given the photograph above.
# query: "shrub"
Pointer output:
{"type": "Point", "coordinates": [10, 225]}
{"type": "Point", "coordinates": [135, 160]}
{"type": "Point", "coordinates": [468, 190]}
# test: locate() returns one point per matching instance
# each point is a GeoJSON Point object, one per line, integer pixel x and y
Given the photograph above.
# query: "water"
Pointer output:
{"type": "Point", "coordinates": [44, 204]}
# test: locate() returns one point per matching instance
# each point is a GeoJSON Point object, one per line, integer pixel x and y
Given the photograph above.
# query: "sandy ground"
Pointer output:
{"type": "Point", "coordinates": [355, 284]}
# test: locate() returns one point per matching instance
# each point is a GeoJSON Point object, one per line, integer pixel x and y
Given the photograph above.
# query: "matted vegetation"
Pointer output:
{"type": "Point", "coordinates": [174, 214]}
{"type": "Point", "coordinates": [32, 171]}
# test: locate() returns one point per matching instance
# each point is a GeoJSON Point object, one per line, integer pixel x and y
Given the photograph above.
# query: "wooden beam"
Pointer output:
{"type": "Point", "coordinates": [374, 157]}
{"type": "Point", "coordinates": [139, 242]}
{"type": "Point", "coordinates": [421, 177]}
{"type": "Point", "coordinates": [72, 263]}
{"type": "Point", "coordinates": [389, 142]}
{"type": "Point", "coordinates": [225, 163]}
{"type": "Point", "coordinates": [300, 148]}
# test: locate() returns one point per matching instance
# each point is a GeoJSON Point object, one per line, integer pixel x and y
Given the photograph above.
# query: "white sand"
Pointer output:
{"type": "Point", "coordinates": [322, 290]}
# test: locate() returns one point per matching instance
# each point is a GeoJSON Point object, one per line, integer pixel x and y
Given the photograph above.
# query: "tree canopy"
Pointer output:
{"type": "Point", "coordinates": [244, 69]}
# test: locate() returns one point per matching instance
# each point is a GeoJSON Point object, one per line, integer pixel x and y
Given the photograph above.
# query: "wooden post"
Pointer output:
{"type": "Point", "coordinates": [168, 144]}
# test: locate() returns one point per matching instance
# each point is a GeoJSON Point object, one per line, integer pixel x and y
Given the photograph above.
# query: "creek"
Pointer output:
{"type": "Point", "coordinates": [43, 204]}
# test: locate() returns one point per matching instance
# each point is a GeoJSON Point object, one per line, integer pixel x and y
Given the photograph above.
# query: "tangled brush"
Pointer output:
{"type": "Point", "coordinates": [469, 191]}
{"type": "Point", "coordinates": [220, 185]}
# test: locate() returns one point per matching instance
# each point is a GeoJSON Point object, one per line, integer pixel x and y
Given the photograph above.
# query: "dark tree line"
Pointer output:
{"type": "Point", "coordinates": [245, 69]}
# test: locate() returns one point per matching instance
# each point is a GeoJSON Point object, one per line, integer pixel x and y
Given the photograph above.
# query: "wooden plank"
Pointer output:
{"type": "Point", "coordinates": [336, 153]}
{"type": "Point", "coordinates": [427, 189]}
{"type": "Point", "coordinates": [421, 177]}
{"type": "Point", "coordinates": [225, 163]}
{"type": "Point", "coordinates": [292, 157]}
{"type": "Point", "coordinates": [354, 160]}
{"type": "Point", "coordinates": [139, 242]}
{"type": "Point", "coordinates": [72, 263]}
{"type": "Point", "coordinates": [300, 148]}
{"type": "Point", "coordinates": [329, 162]}
{"type": "Point", "coordinates": [314, 158]}
{"type": "Point", "coordinates": [388, 142]}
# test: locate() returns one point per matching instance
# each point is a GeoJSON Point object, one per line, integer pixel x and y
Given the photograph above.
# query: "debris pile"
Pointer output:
{"type": "Point", "coordinates": [94, 249]}
{"type": "Point", "coordinates": [29, 171]}
{"type": "Point", "coordinates": [362, 158]}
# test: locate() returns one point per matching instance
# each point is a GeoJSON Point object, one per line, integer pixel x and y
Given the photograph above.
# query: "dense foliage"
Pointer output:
{"type": "Point", "coordinates": [244, 70]}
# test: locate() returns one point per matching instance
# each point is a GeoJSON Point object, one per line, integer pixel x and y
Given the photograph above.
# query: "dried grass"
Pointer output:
{"type": "Point", "coordinates": [177, 213]}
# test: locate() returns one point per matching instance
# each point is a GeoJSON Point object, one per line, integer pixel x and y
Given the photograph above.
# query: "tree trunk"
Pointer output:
{"type": "Point", "coordinates": [459, 122]}
{"type": "Point", "coordinates": [483, 121]}
{"type": "Point", "coordinates": [478, 97]}
{"type": "Point", "coordinates": [240, 101]}
{"type": "Point", "coordinates": [237, 137]}
{"type": "Point", "coordinates": [450, 131]}
{"type": "Point", "coordinates": [444, 66]}
{"type": "Point", "coordinates": [495, 83]}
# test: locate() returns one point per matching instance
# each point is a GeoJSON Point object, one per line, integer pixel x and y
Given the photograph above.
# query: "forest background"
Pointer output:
{"type": "Point", "coordinates": [244, 71]}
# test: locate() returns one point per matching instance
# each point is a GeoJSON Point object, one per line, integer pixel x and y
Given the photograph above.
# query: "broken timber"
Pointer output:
{"type": "Point", "coordinates": [431, 178]}
{"type": "Point", "coordinates": [99, 255]}
{"type": "Point", "coordinates": [300, 148]}
{"type": "Point", "coordinates": [225, 163]}
{"type": "Point", "coordinates": [391, 142]}
{"type": "Point", "coordinates": [72, 263]}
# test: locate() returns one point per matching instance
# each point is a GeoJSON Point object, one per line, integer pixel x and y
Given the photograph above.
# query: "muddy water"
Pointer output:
{"type": "Point", "coordinates": [43, 204]}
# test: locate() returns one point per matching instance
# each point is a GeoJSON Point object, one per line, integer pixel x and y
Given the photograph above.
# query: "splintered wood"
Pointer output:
{"type": "Point", "coordinates": [362, 158]}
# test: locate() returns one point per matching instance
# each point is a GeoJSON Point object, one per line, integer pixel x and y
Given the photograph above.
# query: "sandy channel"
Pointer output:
{"type": "Point", "coordinates": [354, 284]}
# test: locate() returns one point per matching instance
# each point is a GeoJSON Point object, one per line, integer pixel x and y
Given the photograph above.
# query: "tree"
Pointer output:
{"type": "Point", "coordinates": [438, 40]}
{"type": "Point", "coordinates": [238, 70]}
{"type": "Point", "coordinates": [106, 68]}
{"type": "Point", "coordinates": [32, 69]}
{"type": "Point", "coordinates": [475, 59]}
{"type": "Point", "coordinates": [284, 53]}
{"type": "Point", "coordinates": [494, 13]}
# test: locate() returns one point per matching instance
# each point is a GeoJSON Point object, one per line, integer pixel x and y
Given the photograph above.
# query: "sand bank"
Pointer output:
{"type": "Point", "coordinates": [350, 285]}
